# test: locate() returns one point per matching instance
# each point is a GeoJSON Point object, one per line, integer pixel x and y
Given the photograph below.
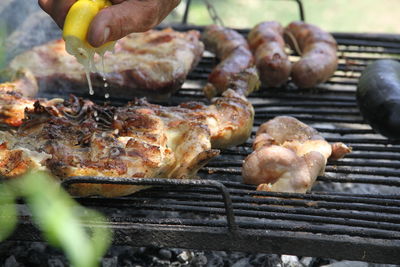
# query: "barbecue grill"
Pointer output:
{"type": "Point", "coordinates": [353, 212]}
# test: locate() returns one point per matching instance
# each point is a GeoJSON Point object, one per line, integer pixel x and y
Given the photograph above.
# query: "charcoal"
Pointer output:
{"type": "Point", "coordinates": [165, 254]}
{"type": "Point", "coordinates": [38, 247]}
{"type": "Point", "coordinates": [109, 262]}
{"type": "Point", "coordinates": [381, 265]}
{"type": "Point", "coordinates": [176, 264]}
{"type": "Point", "coordinates": [117, 250]}
{"type": "Point", "coordinates": [156, 262]}
{"type": "Point", "coordinates": [185, 256]}
{"type": "Point", "coordinates": [128, 256]}
{"type": "Point", "coordinates": [306, 261]}
{"type": "Point", "coordinates": [199, 259]}
{"type": "Point", "coordinates": [316, 262]}
{"type": "Point", "coordinates": [215, 259]}
{"type": "Point", "coordinates": [234, 257]}
{"type": "Point", "coordinates": [36, 257]}
{"type": "Point", "coordinates": [347, 264]}
{"type": "Point", "coordinates": [11, 262]}
{"type": "Point", "coordinates": [55, 262]}
{"type": "Point", "coordinates": [21, 251]}
{"type": "Point", "coordinates": [265, 260]}
{"type": "Point", "coordinates": [290, 261]}
{"type": "Point", "coordinates": [242, 263]}
{"type": "Point", "coordinates": [128, 263]}
{"type": "Point", "coordinates": [176, 251]}
{"type": "Point", "coordinates": [5, 249]}
{"type": "Point", "coordinates": [153, 251]}
{"type": "Point", "coordinates": [142, 250]}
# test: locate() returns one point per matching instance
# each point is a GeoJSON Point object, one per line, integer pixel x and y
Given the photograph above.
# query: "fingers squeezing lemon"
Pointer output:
{"type": "Point", "coordinates": [75, 31]}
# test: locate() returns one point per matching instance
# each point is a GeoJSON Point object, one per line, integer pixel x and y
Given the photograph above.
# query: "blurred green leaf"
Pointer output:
{"type": "Point", "coordinates": [101, 236]}
{"type": "Point", "coordinates": [61, 219]}
{"type": "Point", "coordinates": [8, 212]}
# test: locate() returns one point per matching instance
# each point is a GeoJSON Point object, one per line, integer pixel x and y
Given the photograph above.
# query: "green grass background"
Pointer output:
{"type": "Point", "coordinates": [380, 16]}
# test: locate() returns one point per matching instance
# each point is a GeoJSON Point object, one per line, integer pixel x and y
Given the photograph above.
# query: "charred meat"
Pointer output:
{"type": "Point", "coordinates": [78, 138]}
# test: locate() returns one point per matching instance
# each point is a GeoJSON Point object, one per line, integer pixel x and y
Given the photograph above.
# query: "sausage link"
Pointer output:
{"type": "Point", "coordinates": [236, 62]}
{"type": "Point", "coordinates": [268, 46]}
{"type": "Point", "coordinates": [318, 50]}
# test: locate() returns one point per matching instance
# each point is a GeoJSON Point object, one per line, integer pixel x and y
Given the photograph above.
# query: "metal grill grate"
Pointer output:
{"type": "Point", "coordinates": [352, 213]}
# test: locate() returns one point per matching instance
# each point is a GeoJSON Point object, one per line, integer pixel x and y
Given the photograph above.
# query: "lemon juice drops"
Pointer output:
{"type": "Point", "coordinates": [75, 31]}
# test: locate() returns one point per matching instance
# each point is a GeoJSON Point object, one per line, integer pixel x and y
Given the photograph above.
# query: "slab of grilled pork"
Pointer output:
{"type": "Point", "coordinates": [152, 64]}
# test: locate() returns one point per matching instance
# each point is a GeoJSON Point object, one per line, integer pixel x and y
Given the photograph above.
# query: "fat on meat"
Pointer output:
{"type": "Point", "coordinates": [288, 156]}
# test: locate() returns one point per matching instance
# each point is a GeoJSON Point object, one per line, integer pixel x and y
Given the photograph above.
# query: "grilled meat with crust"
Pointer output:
{"type": "Point", "coordinates": [153, 64]}
{"type": "Point", "coordinates": [79, 138]}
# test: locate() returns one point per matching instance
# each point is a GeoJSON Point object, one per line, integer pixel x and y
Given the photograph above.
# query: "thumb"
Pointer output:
{"type": "Point", "coordinates": [117, 21]}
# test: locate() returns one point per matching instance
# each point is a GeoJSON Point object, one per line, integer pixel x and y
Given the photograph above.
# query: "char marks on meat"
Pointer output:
{"type": "Point", "coordinates": [79, 138]}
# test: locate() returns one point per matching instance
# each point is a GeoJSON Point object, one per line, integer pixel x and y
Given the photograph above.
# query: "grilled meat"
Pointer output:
{"type": "Point", "coordinates": [288, 156]}
{"type": "Point", "coordinates": [78, 138]}
{"type": "Point", "coordinates": [317, 49]}
{"type": "Point", "coordinates": [15, 98]}
{"type": "Point", "coordinates": [267, 44]}
{"type": "Point", "coordinates": [24, 83]}
{"type": "Point", "coordinates": [152, 64]}
{"type": "Point", "coordinates": [236, 69]}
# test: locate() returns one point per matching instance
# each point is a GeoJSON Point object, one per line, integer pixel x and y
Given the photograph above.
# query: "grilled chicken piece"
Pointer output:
{"type": "Point", "coordinates": [236, 69]}
{"type": "Point", "coordinates": [153, 64]}
{"type": "Point", "coordinates": [288, 156]}
{"type": "Point", "coordinates": [78, 138]}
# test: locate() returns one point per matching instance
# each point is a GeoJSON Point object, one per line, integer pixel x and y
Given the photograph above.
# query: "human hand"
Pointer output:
{"type": "Point", "coordinates": [117, 21]}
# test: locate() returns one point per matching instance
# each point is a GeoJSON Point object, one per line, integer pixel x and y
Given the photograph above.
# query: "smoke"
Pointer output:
{"type": "Point", "coordinates": [2, 45]}
{"type": "Point", "coordinates": [26, 26]}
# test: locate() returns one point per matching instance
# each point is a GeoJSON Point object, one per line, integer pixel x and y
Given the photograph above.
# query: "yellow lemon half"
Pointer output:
{"type": "Point", "coordinates": [76, 27]}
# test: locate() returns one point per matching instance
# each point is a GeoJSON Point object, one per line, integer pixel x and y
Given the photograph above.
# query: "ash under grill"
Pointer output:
{"type": "Point", "coordinates": [352, 213]}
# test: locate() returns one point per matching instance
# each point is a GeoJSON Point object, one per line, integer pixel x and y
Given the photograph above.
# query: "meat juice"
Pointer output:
{"type": "Point", "coordinates": [85, 55]}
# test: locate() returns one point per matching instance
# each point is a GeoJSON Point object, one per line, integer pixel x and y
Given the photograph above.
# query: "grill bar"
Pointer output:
{"type": "Point", "coordinates": [281, 213]}
{"type": "Point", "coordinates": [370, 152]}
{"type": "Point", "coordinates": [204, 238]}
{"type": "Point", "coordinates": [140, 181]}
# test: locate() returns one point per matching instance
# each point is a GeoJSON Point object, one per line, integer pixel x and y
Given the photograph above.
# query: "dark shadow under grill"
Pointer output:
{"type": "Point", "coordinates": [352, 213]}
